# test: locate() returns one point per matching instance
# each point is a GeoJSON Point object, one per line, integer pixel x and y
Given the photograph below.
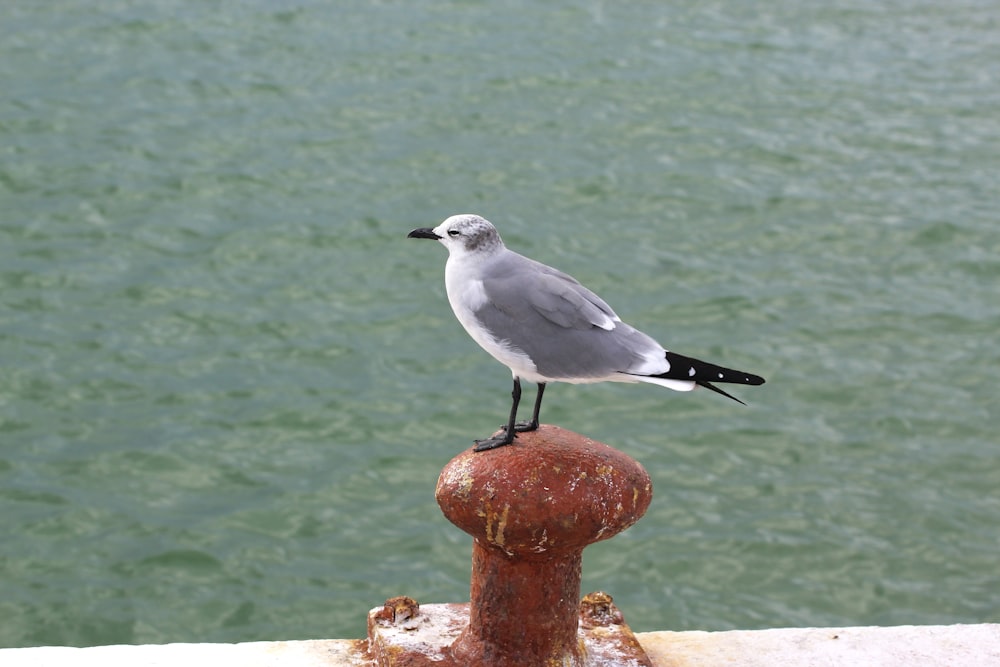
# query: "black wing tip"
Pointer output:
{"type": "Point", "coordinates": [689, 368]}
{"type": "Point", "coordinates": [709, 385]}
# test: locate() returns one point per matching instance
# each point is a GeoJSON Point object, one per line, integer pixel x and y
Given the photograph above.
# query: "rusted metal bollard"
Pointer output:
{"type": "Point", "coordinates": [531, 508]}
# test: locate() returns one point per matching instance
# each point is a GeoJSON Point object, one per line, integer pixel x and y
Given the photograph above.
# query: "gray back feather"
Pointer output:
{"type": "Point", "coordinates": [557, 321]}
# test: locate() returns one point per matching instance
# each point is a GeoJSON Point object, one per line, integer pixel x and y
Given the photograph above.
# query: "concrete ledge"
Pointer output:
{"type": "Point", "coordinates": [924, 646]}
{"type": "Point", "coordinates": [907, 645]}
{"type": "Point", "coordinates": [310, 653]}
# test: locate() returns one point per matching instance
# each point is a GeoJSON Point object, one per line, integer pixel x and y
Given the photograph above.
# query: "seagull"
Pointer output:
{"type": "Point", "coordinates": [546, 327]}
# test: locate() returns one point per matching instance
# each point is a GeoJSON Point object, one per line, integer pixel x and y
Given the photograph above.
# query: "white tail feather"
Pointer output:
{"type": "Point", "coordinates": [676, 385]}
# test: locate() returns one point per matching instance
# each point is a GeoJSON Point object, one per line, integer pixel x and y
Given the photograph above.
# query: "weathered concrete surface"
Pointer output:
{"type": "Point", "coordinates": [311, 653]}
{"type": "Point", "coordinates": [903, 646]}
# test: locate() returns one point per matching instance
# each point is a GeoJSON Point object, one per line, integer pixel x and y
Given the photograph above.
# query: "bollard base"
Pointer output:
{"type": "Point", "coordinates": [416, 636]}
{"type": "Point", "coordinates": [405, 634]}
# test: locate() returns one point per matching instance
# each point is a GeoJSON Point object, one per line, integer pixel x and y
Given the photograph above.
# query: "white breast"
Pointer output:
{"type": "Point", "coordinates": [466, 295]}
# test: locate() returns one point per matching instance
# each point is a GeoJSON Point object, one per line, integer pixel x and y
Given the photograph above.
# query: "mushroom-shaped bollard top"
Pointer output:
{"type": "Point", "coordinates": [551, 490]}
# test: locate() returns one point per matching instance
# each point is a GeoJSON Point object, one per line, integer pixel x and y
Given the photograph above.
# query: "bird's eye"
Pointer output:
{"type": "Point", "coordinates": [454, 232]}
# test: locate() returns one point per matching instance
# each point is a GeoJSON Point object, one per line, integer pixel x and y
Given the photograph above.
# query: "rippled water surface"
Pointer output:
{"type": "Point", "coordinates": [229, 382]}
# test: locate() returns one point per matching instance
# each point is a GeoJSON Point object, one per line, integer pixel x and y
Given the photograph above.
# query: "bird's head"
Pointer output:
{"type": "Point", "coordinates": [463, 234]}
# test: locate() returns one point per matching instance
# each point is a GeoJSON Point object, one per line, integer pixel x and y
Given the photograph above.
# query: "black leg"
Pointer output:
{"type": "Point", "coordinates": [507, 436]}
{"type": "Point", "coordinates": [522, 427]}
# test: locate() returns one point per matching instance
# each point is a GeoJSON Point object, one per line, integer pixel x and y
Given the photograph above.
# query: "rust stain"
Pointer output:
{"type": "Point", "coordinates": [397, 609]}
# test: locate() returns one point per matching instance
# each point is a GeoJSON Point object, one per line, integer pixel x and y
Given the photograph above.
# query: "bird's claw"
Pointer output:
{"type": "Point", "coordinates": [525, 427]}
{"type": "Point", "coordinates": [501, 439]}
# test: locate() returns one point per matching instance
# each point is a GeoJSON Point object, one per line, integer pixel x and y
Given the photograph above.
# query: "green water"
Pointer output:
{"type": "Point", "coordinates": [229, 382]}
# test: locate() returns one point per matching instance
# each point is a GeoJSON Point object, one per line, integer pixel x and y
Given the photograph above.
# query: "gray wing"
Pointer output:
{"type": "Point", "coordinates": [566, 330]}
{"type": "Point", "coordinates": [517, 282]}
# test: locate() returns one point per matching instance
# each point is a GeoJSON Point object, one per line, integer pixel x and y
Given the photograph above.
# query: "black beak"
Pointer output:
{"type": "Point", "coordinates": [423, 233]}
